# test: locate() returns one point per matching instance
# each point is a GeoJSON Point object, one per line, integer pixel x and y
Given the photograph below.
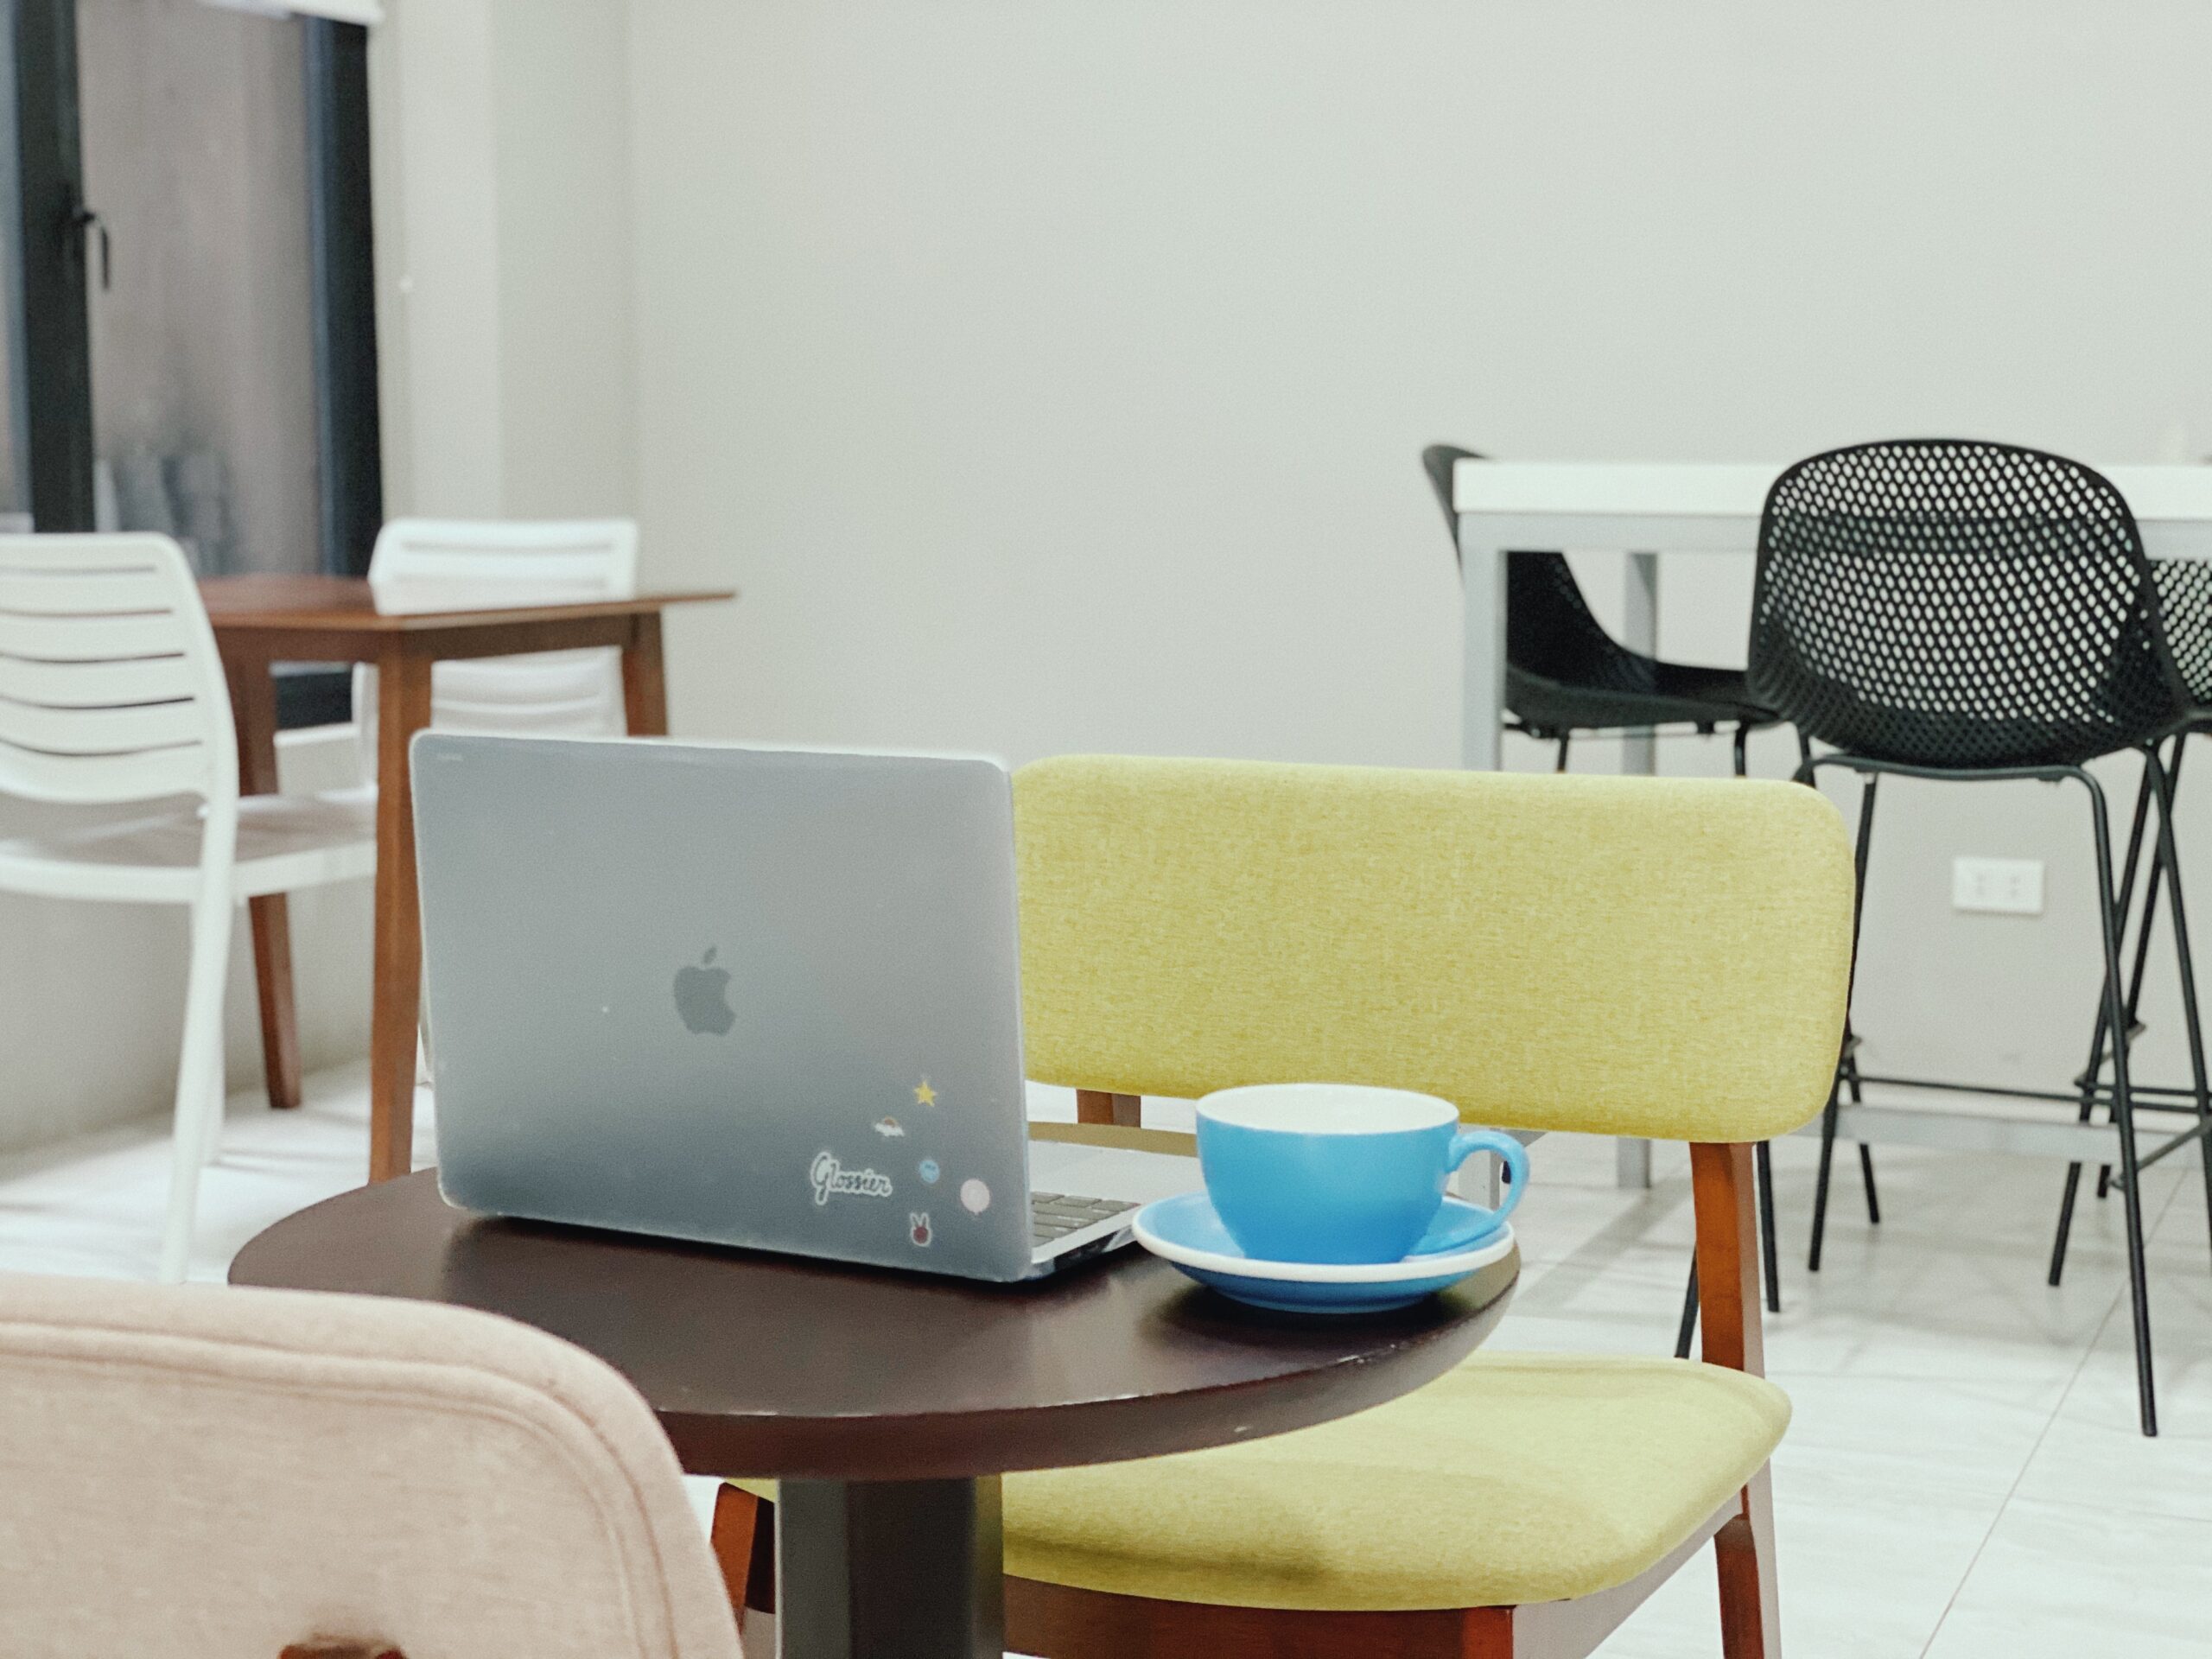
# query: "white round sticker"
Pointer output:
{"type": "Point", "coordinates": [975, 1197]}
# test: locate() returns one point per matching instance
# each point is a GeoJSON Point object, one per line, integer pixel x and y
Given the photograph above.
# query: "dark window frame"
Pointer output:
{"type": "Point", "coordinates": [50, 368]}
{"type": "Point", "coordinates": [342, 247]}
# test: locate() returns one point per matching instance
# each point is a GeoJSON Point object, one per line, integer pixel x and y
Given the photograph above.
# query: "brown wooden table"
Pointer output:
{"type": "Point", "coordinates": [888, 1403]}
{"type": "Point", "coordinates": [260, 621]}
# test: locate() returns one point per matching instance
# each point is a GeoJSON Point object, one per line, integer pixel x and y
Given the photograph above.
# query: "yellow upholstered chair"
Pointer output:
{"type": "Point", "coordinates": [1628, 957]}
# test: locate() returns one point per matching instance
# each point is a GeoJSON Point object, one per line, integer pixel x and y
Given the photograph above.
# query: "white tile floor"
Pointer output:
{"type": "Point", "coordinates": [1963, 1480]}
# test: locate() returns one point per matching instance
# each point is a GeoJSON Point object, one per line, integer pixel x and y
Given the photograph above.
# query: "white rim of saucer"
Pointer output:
{"type": "Point", "coordinates": [1322, 1273]}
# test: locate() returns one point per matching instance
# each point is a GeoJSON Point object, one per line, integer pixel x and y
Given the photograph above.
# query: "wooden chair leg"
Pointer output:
{"type": "Point", "coordinates": [1751, 1608]}
{"type": "Point", "coordinates": [1097, 1106]}
{"type": "Point", "coordinates": [1486, 1633]}
{"type": "Point", "coordinates": [744, 1547]}
{"type": "Point", "coordinates": [253, 706]}
{"type": "Point", "coordinates": [269, 918]}
{"type": "Point", "coordinates": [1728, 1277]}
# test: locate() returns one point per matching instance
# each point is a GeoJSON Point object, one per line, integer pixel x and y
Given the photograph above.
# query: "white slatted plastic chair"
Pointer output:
{"type": "Point", "coordinates": [113, 696]}
{"type": "Point", "coordinates": [553, 693]}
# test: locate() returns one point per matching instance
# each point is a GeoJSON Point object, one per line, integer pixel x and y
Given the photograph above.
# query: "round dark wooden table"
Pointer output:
{"type": "Point", "coordinates": [887, 1403]}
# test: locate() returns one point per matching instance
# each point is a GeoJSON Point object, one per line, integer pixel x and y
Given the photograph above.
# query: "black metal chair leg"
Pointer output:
{"type": "Point", "coordinates": [1768, 1255]}
{"type": "Point", "coordinates": [2164, 788]}
{"type": "Point", "coordinates": [1682, 1338]}
{"type": "Point", "coordinates": [2139, 1289]}
{"type": "Point", "coordinates": [2159, 870]}
{"type": "Point", "coordinates": [2158, 782]}
{"type": "Point", "coordinates": [2123, 1105]}
{"type": "Point", "coordinates": [2169, 854]}
{"type": "Point", "coordinates": [1821, 1182]}
{"type": "Point", "coordinates": [1743, 760]}
{"type": "Point", "coordinates": [1866, 1152]}
{"type": "Point", "coordinates": [2095, 1068]}
{"type": "Point", "coordinates": [1564, 740]}
{"type": "Point", "coordinates": [1845, 1065]}
{"type": "Point", "coordinates": [2065, 1220]}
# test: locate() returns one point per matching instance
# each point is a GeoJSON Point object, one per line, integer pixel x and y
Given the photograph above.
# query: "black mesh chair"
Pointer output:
{"type": "Point", "coordinates": [1565, 678]}
{"type": "Point", "coordinates": [2185, 607]}
{"type": "Point", "coordinates": [1971, 612]}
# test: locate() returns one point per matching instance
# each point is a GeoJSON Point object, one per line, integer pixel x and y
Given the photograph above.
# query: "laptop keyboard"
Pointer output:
{"type": "Point", "coordinates": [1055, 1215]}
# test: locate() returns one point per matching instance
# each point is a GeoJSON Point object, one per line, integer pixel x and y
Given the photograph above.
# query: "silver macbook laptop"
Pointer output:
{"type": "Point", "coordinates": [753, 997]}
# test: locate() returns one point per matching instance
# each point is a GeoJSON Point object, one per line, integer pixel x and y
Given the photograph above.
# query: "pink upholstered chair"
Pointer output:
{"type": "Point", "coordinates": [210, 1473]}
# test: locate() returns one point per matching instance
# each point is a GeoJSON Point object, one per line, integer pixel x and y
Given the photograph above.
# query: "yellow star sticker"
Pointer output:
{"type": "Point", "coordinates": [924, 1095]}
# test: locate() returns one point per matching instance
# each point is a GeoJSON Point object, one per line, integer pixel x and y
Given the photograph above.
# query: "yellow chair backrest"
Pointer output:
{"type": "Point", "coordinates": [1641, 956]}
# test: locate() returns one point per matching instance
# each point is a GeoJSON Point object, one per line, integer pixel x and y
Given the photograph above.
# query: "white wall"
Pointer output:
{"type": "Point", "coordinates": [433, 177]}
{"type": "Point", "coordinates": [1051, 377]}
{"type": "Point", "coordinates": [505, 257]}
{"type": "Point", "coordinates": [568, 356]}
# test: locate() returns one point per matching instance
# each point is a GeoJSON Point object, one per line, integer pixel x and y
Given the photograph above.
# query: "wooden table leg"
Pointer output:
{"type": "Point", "coordinates": [871, 1568]}
{"type": "Point", "coordinates": [645, 684]}
{"type": "Point", "coordinates": [253, 711]}
{"type": "Point", "coordinates": [403, 710]}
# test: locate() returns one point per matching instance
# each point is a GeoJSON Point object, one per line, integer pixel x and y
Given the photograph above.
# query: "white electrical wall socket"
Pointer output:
{"type": "Point", "coordinates": [2002, 886]}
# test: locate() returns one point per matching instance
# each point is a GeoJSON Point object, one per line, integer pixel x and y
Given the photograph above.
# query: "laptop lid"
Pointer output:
{"type": "Point", "coordinates": [747, 996]}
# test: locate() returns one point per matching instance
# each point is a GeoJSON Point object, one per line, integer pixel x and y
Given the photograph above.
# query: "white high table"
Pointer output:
{"type": "Point", "coordinates": [1645, 509]}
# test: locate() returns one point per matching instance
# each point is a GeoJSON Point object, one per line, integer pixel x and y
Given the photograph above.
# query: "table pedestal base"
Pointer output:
{"type": "Point", "coordinates": [890, 1569]}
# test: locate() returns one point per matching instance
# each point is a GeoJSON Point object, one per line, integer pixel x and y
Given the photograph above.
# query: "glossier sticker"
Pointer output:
{"type": "Point", "coordinates": [832, 1179]}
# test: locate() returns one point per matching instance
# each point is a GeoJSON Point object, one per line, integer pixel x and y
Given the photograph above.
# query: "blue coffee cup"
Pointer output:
{"type": "Point", "coordinates": [1325, 1171]}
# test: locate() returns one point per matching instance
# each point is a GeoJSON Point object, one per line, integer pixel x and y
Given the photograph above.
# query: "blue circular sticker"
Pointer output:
{"type": "Point", "coordinates": [928, 1171]}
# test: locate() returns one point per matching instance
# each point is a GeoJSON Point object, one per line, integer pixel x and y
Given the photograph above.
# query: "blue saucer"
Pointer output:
{"type": "Point", "coordinates": [1184, 1230]}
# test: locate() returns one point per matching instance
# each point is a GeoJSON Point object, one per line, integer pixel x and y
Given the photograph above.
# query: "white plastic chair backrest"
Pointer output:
{"type": "Point", "coordinates": [204, 1472]}
{"type": "Point", "coordinates": [111, 687]}
{"type": "Point", "coordinates": [560, 693]}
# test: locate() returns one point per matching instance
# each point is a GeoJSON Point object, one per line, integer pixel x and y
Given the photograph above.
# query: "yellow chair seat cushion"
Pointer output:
{"type": "Point", "coordinates": [1514, 1478]}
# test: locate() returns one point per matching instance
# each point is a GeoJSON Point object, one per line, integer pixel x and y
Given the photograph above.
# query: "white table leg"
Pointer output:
{"type": "Point", "coordinates": [1640, 632]}
{"type": "Point", "coordinates": [1639, 753]}
{"type": "Point", "coordinates": [1482, 572]}
{"type": "Point", "coordinates": [1481, 1179]}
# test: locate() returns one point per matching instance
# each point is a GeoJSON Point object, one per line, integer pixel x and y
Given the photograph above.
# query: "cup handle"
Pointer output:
{"type": "Point", "coordinates": [1514, 1156]}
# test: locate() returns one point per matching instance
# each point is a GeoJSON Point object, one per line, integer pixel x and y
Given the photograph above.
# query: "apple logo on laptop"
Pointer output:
{"type": "Point", "coordinates": [702, 999]}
